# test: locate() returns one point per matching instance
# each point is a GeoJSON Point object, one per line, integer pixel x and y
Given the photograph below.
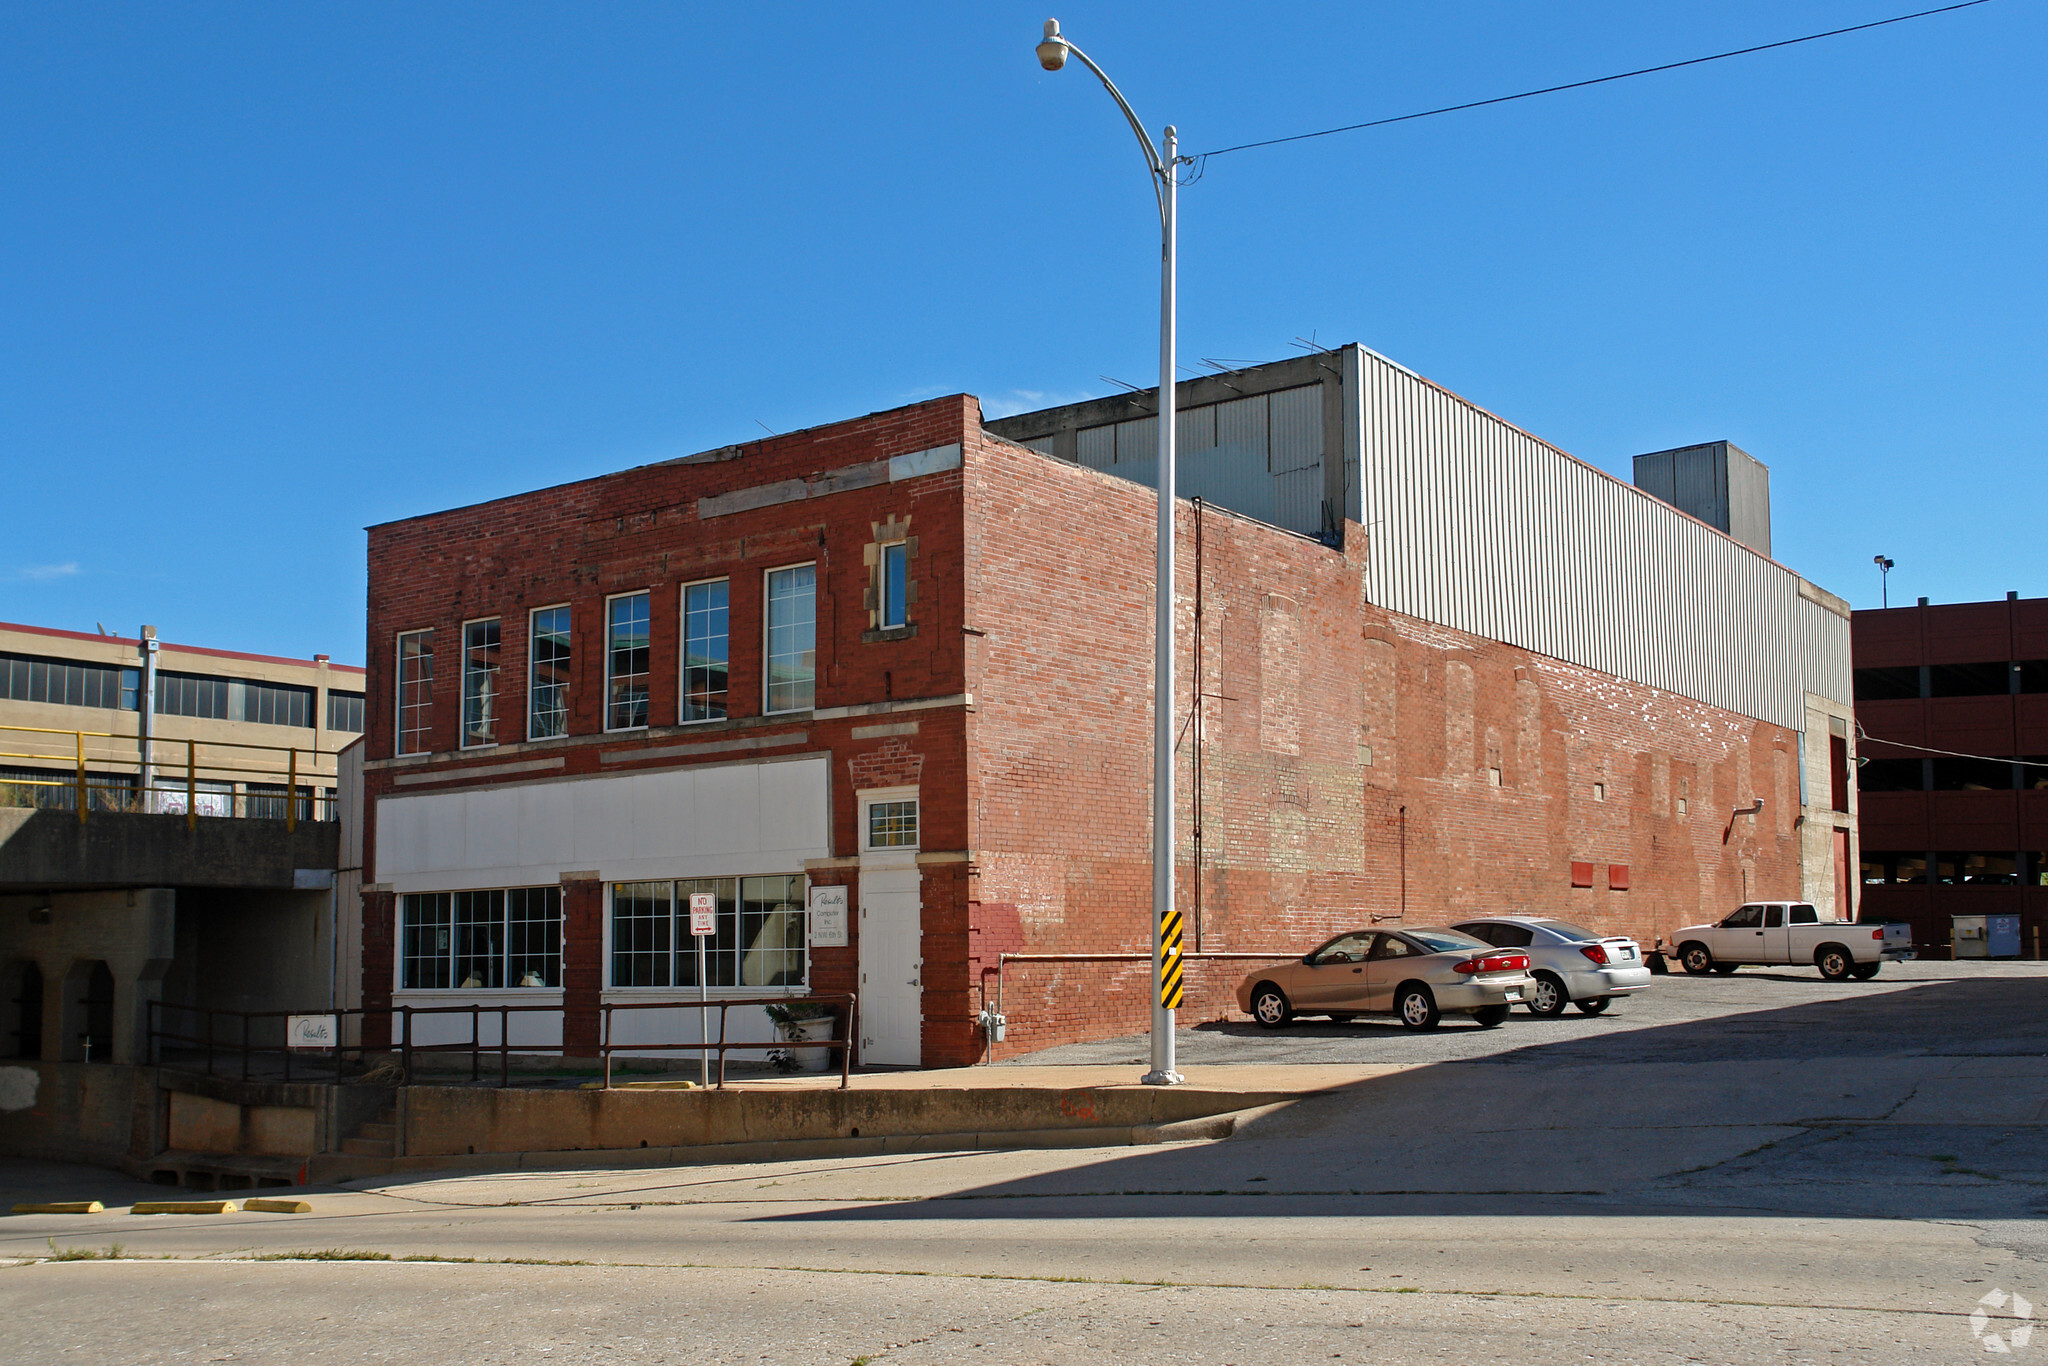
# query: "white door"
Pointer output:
{"type": "Point", "coordinates": [891, 959]}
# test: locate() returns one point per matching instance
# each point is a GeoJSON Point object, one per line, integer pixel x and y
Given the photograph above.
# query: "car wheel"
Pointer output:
{"type": "Point", "coordinates": [1834, 962]}
{"type": "Point", "coordinates": [1270, 1007]}
{"type": "Point", "coordinates": [1549, 998]}
{"type": "Point", "coordinates": [1417, 1008]}
{"type": "Point", "coordinates": [1696, 959]}
{"type": "Point", "coordinates": [1863, 972]}
{"type": "Point", "coordinates": [1490, 1017]}
{"type": "Point", "coordinates": [1594, 1005]}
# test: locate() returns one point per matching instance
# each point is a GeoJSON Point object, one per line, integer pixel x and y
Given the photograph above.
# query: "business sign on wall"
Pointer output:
{"type": "Point", "coordinates": [310, 1031]}
{"type": "Point", "coordinates": [828, 917]}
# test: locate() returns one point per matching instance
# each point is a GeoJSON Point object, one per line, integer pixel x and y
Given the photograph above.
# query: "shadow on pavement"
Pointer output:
{"type": "Point", "coordinates": [1918, 1103]}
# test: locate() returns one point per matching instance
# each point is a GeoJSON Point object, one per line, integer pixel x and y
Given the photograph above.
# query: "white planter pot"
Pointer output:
{"type": "Point", "coordinates": [809, 1031]}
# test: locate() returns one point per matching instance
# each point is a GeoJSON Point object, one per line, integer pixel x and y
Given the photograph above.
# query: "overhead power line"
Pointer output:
{"type": "Point", "coordinates": [1597, 80]}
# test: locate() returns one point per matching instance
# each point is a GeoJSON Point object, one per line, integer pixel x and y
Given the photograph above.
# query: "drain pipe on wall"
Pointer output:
{"type": "Point", "coordinates": [147, 768]}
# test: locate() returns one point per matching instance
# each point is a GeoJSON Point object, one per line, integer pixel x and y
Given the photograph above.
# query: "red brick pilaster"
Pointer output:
{"type": "Point", "coordinates": [380, 945]}
{"type": "Point", "coordinates": [582, 962]}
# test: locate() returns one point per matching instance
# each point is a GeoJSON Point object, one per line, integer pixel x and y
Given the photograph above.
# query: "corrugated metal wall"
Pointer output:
{"type": "Point", "coordinates": [1261, 456]}
{"type": "Point", "coordinates": [1480, 527]}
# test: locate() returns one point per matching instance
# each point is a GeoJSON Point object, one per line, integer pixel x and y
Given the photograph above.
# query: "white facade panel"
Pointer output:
{"type": "Point", "coordinates": [727, 820]}
{"type": "Point", "coordinates": [1481, 527]}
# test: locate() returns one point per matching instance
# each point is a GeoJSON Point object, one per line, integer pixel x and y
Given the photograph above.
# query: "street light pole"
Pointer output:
{"type": "Point", "coordinates": [1166, 955]}
{"type": "Point", "coordinates": [1884, 577]}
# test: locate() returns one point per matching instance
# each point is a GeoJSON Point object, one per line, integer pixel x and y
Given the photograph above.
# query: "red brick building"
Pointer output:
{"type": "Point", "coordinates": [1954, 704]}
{"type": "Point", "coordinates": [907, 656]}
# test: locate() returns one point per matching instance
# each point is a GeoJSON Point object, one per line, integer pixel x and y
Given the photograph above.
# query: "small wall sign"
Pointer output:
{"type": "Point", "coordinates": [828, 917]}
{"type": "Point", "coordinates": [310, 1031]}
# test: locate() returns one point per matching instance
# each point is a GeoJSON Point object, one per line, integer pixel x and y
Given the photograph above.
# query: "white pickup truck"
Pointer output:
{"type": "Point", "coordinates": [1781, 932]}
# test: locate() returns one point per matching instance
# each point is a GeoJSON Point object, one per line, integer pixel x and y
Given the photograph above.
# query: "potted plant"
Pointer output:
{"type": "Point", "coordinates": [802, 1022]}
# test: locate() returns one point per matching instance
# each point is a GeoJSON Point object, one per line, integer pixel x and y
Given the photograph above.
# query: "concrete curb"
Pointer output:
{"type": "Point", "coordinates": [63, 1207]}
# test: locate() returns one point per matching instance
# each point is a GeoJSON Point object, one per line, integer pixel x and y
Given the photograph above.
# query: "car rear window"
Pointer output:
{"type": "Point", "coordinates": [1569, 930]}
{"type": "Point", "coordinates": [1445, 941]}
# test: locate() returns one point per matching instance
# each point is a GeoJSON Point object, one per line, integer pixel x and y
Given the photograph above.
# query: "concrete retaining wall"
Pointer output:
{"type": "Point", "coordinates": [441, 1121]}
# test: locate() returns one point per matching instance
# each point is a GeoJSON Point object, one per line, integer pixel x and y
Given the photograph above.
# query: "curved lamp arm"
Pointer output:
{"type": "Point", "coordinates": [1052, 54]}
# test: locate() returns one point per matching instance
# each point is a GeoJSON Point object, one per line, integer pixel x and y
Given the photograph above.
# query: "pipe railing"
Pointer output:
{"type": "Point", "coordinates": [243, 1052]}
{"type": "Point", "coordinates": [89, 779]}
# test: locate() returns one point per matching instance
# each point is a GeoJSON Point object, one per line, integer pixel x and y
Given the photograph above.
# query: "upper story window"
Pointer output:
{"type": "Point", "coordinates": [625, 668]}
{"type": "Point", "coordinates": [547, 706]}
{"type": "Point", "coordinates": [895, 594]}
{"type": "Point", "coordinates": [270, 704]}
{"type": "Point", "coordinates": [415, 691]}
{"type": "Point", "coordinates": [706, 645]}
{"type": "Point", "coordinates": [892, 824]}
{"type": "Point", "coordinates": [191, 695]}
{"type": "Point", "coordinates": [345, 711]}
{"type": "Point", "coordinates": [25, 678]}
{"type": "Point", "coordinates": [480, 682]}
{"type": "Point", "coordinates": [792, 638]}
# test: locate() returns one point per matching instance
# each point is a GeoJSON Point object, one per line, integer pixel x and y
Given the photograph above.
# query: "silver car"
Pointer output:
{"type": "Point", "coordinates": [1416, 975]}
{"type": "Point", "coordinates": [1571, 964]}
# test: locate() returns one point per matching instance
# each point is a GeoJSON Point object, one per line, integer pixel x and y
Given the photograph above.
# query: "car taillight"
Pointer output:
{"type": "Point", "coordinates": [1596, 953]}
{"type": "Point", "coordinates": [1494, 962]}
{"type": "Point", "coordinates": [1877, 933]}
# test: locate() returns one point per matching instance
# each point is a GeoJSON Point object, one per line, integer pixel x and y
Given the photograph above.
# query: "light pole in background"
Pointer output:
{"type": "Point", "coordinates": [1166, 935]}
{"type": "Point", "coordinates": [1884, 578]}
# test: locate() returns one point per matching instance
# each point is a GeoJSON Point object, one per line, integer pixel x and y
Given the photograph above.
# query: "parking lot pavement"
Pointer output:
{"type": "Point", "coordinates": [1778, 1010]}
{"type": "Point", "coordinates": [1763, 1167]}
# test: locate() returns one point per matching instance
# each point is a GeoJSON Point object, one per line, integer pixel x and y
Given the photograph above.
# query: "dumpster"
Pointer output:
{"type": "Point", "coordinates": [2002, 936]}
{"type": "Point", "coordinates": [1967, 934]}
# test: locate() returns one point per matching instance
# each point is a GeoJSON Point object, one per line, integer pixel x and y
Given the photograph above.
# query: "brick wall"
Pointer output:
{"type": "Point", "coordinates": [1339, 743]}
{"type": "Point", "coordinates": [641, 530]}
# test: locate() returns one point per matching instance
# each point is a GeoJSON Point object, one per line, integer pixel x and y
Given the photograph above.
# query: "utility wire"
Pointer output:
{"type": "Point", "coordinates": [1867, 738]}
{"type": "Point", "coordinates": [1597, 80]}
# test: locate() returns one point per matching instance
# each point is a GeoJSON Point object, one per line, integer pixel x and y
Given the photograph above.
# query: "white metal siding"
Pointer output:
{"type": "Point", "coordinates": [1478, 526]}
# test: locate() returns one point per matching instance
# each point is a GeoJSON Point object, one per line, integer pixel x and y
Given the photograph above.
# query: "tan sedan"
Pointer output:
{"type": "Point", "coordinates": [1416, 975]}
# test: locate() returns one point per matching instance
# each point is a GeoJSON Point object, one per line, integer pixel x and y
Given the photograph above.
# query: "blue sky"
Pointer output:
{"type": "Point", "coordinates": [271, 273]}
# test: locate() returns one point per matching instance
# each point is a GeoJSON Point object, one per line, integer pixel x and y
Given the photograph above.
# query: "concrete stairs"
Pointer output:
{"type": "Point", "coordinates": [376, 1137]}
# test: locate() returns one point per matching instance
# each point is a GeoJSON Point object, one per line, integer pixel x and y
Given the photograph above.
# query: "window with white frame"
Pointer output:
{"type": "Point", "coordinates": [792, 638]}
{"type": "Point", "coordinates": [760, 941]}
{"type": "Point", "coordinates": [415, 691]}
{"type": "Point", "coordinates": [480, 682]}
{"type": "Point", "coordinates": [706, 645]}
{"type": "Point", "coordinates": [892, 824]}
{"type": "Point", "coordinates": [895, 594]}
{"type": "Point", "coordinates": [481, 940]}
{"type": "Point", "coordinates": [626, 662]}
{"type": "Point", "coordinates": [547, 649]}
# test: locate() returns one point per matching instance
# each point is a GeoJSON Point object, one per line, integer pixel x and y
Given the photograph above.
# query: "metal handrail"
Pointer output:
{"type": "Point", "coordinates": [158, 1033]}
{"type": "Point", "coordinates": [845, 1045]}
{"type": "Point", "coordinates": [148, 762]}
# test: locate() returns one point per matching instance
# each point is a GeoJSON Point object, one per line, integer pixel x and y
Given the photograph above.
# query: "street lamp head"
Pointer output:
{"type": "Point", "coordinates": [1052, 53]}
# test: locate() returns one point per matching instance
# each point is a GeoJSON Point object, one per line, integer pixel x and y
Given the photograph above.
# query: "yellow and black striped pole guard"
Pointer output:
{"type": "Point", "coordinates": [1169, 960]}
